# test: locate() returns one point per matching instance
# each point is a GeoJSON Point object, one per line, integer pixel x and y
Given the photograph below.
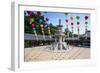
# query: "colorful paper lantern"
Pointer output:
{"type": "Point", "coordinates": [72, 27]}
{"type": "Point", "coordinates": [38, 13]}
{"type": "Point", "coordinates": [77, 17]}
{"type": "Point", "coordinates": [41, 25]}
{"type": "Point", "coordinates": [67, 25]}
{"type": "Point", "coordinates": [49, 30]}
{"type": "Point", "coordinates": [42, 28]}
{"type": "Point", "coordinates": [46, 19]}
{"type": "Point", "coordinates": [33, 29]}
{"type": "Point", "coordinates": [48, 27]}
{"type": "Point", "coordinates": [86, 17]}
{"type": "Point", "coordinates": [78, 23]}
{"type": "Point", "coordinates": [33, 25]}
{"type": "Point", "coordinates": [78, 26]}
{"type": "Point", "coordinates": [72, 23]}
{"type": "Point", "coordinates": [71, 18]}
{"type": "Point", "coordinates": [40, 21]}
{"type": "Point", "coordinates": [30, 13]}
{"type": "Point", "coordinates": [86, 26]}
{"type": "Point", "coordinates": [33, 20]}
{"type": "Point", "coordinates": [66, 13]}
{"type": "Point", "coordinates": [66, 30]}
{"type": "Point", "coordinates": [72, 31]}
{"type": "Point", "coordinates": [66, 20]}
{"type": "Point", "coordinates": [86, 22]}
{"type": "Point", "coordinates": [78, 30]}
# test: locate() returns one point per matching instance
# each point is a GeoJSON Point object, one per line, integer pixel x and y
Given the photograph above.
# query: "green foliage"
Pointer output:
{"type": "Point", "coordinates": [68, 33]}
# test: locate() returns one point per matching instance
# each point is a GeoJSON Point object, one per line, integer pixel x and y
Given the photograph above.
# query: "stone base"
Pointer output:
{"type": "Point", "coordinates": [60, 47]}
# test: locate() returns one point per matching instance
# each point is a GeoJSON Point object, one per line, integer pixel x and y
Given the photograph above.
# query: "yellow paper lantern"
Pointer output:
{"type": "Point", "coordinates": [33, 20]}
{"type": "Point", "coordinates": [78, 26]}
{"type": "Point", "coordinates": [48, 27]}
{"type": "Point", "coordinates": [48, 30]}
{"type": "Point", "coordinates": [71, 17]}
{"type": "Point", "coordinates": [49, 33]}
{"type": "Point", "coordinates": [86, 26]}
{"type": "Point", "coordinates": [41, 25]}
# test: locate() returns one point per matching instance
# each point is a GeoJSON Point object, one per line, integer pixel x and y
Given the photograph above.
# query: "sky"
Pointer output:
{"type": "Point", "coordinates": [55, 16]}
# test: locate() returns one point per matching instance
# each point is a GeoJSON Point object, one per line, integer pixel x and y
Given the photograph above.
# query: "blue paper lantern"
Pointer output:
{"type": "Point", "coordinates": [33, 29]}
{"type": "Point", "coordinates": [46, 26]}
{"type": "Point", "coordinates": [40, 21]}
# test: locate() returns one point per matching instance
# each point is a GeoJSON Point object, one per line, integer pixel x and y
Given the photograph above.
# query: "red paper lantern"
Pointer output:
{"type": "Point", "coordinates": [67, 25]}
{"type": "Point", "coordinates": [42, 28]}
{"type": "Point", "coordinates": [66, 20]}
{"type": "Point", "coordinates": [86, 17]}
{"type": "Point", "coordinates": [72, 27]}
{"type": "Point", "coordinates": [46, 19]}
{"type": "Point", "coordinates": [48, 30]}
{"type": "Point", "coordinates": [39, 13]}
{"type": "Point", "coordinates": [78, 23]}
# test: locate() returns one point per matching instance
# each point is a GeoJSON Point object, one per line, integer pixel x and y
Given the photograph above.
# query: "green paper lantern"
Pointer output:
{"type": "Point", "coordinates": [86, 22]}
{"type": "Point", "coordinates": [77, 17]}
{"type": "Point", "coordinates": [66, 13]}
{"type": "Point", "coordinates": [72, 31]}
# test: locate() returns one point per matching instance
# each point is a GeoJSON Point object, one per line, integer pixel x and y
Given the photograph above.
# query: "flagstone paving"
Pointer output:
{"type": "Point", "coordinates": [42, 54]}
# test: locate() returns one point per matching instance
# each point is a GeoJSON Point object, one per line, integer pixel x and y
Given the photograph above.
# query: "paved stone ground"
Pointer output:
{"type": "Point", "coordinates": [43, 54]}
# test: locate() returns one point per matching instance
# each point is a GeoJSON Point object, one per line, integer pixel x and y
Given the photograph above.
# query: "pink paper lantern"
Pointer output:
{"type": "Point", "coordinates": [33, 25]}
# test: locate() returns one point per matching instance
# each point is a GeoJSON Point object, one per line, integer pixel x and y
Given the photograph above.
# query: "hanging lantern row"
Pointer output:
{"type": "Point", "coordinates": [40, 20]}
{"type": "Point", "coordinates": [33, 27]}
{"type": "Point", "coordinates": [86, 23]}
{"type": "Point", "coordinates": [78, 30]}
{"type": "Point", "coordinates": [49, 30]}
{"type": "Point", "coordinates": [66, 25]}
{"type": "Point", "coordinates": [77, 17]}
{"type": "Point", "coordinates": [42, 27]}
{"type": "Point", "coordinates": [78, 26]}
{"type": "Point", "coordinates": [86, 26]}
{"type": "Point", "coordinates": [72, 27]}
